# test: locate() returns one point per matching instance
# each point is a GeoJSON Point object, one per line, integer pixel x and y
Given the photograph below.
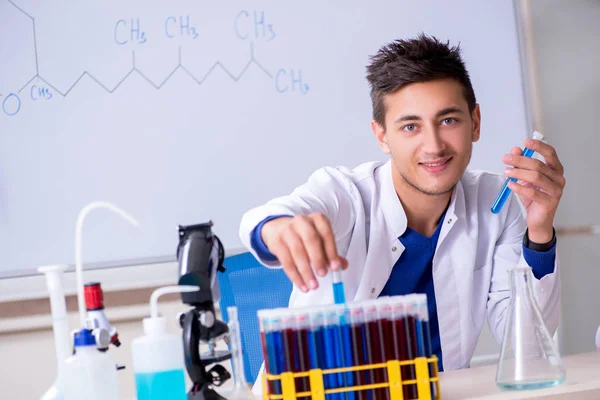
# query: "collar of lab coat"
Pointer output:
{"type": "Point", "coordinates": [393, 211]}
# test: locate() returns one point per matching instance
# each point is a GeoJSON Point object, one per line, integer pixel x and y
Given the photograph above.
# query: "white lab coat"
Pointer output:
{"type": "Point", "coordinates": [475, 249]}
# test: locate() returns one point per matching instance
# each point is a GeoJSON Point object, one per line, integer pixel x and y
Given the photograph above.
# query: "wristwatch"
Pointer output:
{"type": "Point", "coordinates": [539, 246]}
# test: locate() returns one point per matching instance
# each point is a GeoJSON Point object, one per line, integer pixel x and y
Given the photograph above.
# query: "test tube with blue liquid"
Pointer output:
{"type": "Point", "coordinates": [345, 348]}
{"type": "Point", "coordinates": [272, 346]}
{"type": "Point", "coordinates": [505, 191]}
{"type": "Point", "coordinates": [332, 351]}
{"type": "Point", "coordinates": [315, 323]}
{"type": "Point", "coordinates": [425, 333]}
{"type": "Point", "coordinates": [319, 339]}
{"type": "Point", "coordinates": [338, 288]}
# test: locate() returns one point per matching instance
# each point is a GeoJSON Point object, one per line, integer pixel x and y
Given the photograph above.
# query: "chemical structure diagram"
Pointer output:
{"type": "Point", "coordinates": [249, 25]}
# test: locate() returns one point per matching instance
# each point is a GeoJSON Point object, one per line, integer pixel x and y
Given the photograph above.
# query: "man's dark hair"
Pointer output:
{"type": "Point", "coordinates": [407, 61]}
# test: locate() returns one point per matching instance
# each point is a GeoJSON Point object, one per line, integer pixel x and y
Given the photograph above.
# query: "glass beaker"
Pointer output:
{"type": "Point", "coordinates": [529, 358]}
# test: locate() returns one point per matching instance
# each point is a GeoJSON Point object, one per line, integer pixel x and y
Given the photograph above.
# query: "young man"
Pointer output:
{"type": "Point", "coordinates": [420, 222]}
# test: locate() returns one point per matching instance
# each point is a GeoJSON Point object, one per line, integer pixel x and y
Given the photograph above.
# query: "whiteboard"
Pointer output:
{"type": "Point", "coordinates": [187, 111]}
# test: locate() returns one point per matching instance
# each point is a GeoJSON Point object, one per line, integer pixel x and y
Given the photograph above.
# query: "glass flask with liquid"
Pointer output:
{"type": "Point", "coordinates": [529, 358]}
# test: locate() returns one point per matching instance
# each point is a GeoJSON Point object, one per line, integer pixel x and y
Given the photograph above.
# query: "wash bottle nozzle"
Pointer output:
{"type": "Point", "coordinates": [155, 323]}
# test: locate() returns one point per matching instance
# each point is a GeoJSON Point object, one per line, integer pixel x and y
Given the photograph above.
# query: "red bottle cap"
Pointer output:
{"type": "Point", "coordinates": [94, 298]}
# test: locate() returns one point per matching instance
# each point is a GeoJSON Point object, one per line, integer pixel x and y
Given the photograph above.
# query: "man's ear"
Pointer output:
{"type": "Point", "coordinates": [476, 118]}
{"type": "Point", "coordinates": [379, 132]}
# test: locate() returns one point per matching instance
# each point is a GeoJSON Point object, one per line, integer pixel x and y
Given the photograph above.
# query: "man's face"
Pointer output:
{"type": "Point", "coordinates": [429, 133]}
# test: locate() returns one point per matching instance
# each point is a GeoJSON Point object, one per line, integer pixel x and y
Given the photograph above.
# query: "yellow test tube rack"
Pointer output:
{"type": "Point", "coordinates": [394, 383]}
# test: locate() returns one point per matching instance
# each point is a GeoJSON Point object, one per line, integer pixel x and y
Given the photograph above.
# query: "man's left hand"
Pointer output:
{"type": "Point", "coordinates": [539, 186]}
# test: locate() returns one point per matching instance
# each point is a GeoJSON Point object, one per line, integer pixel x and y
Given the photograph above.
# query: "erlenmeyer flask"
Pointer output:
{"type": "Point", "coordinates": [529, 358]}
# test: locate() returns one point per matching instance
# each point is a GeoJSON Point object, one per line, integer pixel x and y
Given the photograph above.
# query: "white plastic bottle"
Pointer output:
{"type": "Point", "coordinates": [158, 361]}
{"type": "Point", "coordinates": [90, 374]}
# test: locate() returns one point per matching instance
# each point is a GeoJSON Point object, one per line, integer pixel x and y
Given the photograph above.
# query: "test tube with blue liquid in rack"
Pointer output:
{"type": "Point", "coordinates": [272, 346]}
{"type": "Point", "coordinates": [505, 191]}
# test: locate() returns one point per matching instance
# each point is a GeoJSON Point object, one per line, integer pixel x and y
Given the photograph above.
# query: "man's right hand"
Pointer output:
{"type": "Point", "coordinates": [302, 243]}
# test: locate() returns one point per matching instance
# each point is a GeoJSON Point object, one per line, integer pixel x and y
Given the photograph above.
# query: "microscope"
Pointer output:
{"type": "Point", "coordinates": [200, 255]}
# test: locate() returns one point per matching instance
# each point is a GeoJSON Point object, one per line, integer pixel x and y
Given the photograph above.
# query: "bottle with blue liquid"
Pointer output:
{"type": "Point", "coordinates": [158, 361]}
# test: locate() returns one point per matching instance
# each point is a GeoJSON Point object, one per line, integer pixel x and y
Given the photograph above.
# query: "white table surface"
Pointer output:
{"type": "Point", "coordinates": [583, 382]}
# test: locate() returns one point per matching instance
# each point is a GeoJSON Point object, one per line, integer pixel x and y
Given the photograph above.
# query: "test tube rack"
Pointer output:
{"type": "Point", "coordinates": [394, 384]}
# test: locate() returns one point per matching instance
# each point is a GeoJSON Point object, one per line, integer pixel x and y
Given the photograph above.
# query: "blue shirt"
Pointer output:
{"type": "Point", "coordinates": [413, 272]}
